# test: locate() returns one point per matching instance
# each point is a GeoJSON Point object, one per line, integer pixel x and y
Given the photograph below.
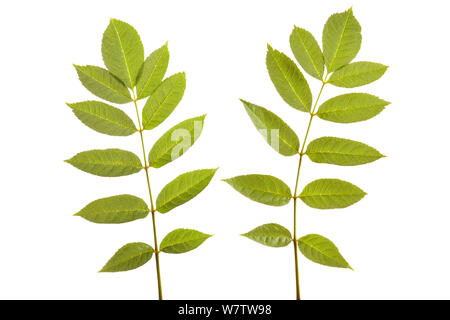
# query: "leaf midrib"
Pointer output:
{"type": "Point", "coordinates": [340, 40]}
{"type": "Point", "coordinates": [290, 85]}
{"type": "Point", "coordinates": [182, 192]}
{"type": "Point", "coordinates": [123, 53]}
{"type": "Point", "coordinates": [310, 57]}
{"type": "Point", "coordinates": [107, 120]}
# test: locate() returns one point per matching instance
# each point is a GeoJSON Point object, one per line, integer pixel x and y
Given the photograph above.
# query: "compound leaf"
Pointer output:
{"type": "Point", "coordinates": [307, 52]}
{"type": "Point", "coordinates": [163, 101]}
{"type": "Point", "coordinates": [341, 152]}
{"type": "Point", "coordinates": [351, 107]}
{"type": "Point", "coordinates": [271, 235]}
{"type": "Point", "coordinates": [274, 130]}
{"type": "Point", "coordinates": [122, 51]}
{"type": "Point", "coordinates": [182, 240]}
{"type": "Point", "coordinates": [152, 72]}
{"type": "Point", "coordinates": [341, 40]}
{"type": "Point", "coordinates": [129, 257]}
{"type": "Point", "coordinates": [183, 188]}
{"type": "Point", "coordinates": [175, 142]}
{"type": "Point", "coordinates": [288, 80]}
{"type": "Point", "coordinates": [116, 209]}
{"type": "Point", "coordinates": [331, 194]}
{"type": "Point", "coordinates": [103, 84]}
{"type": "Point", "coordinates": [107, 163]}
{"type": "Point", "coordinates": [357, 74]}
{"type": "Point", "coordinates": [103, 118]}
{"type": "Point", "coordinates": [321, 250]}
{"type": "Point", "coordinates": [262, 188]}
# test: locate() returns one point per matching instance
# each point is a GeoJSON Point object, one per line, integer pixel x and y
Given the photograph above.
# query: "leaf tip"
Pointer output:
{"type": "Point", "coordinates": [269, 47]}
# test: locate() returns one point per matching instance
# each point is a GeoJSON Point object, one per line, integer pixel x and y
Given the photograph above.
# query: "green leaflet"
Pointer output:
{"type": "Point", "coordinates": [175, 142]}
{"type": "Point", "coordinates": [331, 194]}
{"type": "Point", "coordinates": [262, 188]}
{"type": "Point", "coordinates": [288, 80]}
{"type": "Point", "coordinates": [183, 188]}
{"type": "Point", "coordinates": [103, 84]}
{"type": "Point", "coordinates": [274, 130]}
{"type": "Point", "coordinates": [271, 234]}
{"type": "Point", "coordinates": [340, 151]}
{"type": "Point", "coordinates": [307, 52]}
{"type": "Point", "coordinates": [321, 250]}
{"type": "Point", "coordinates": [163, 101]}
{"type": "Point", "coordinates": [129, 257]}
{"type": "Point", "coordinates": [152, 72]}
{"type": "Point", "coordinates": [103, 118]}
{"type": "Point", "coordinates": [107, 163]}
{"type": "Point", "coordinates": [341, 40]}
{"type": "Point", "coordinates": [122, 51]}
{"type": "Point", "coordinates": [351, 107]}
{"type": "Point", "coordinates": [357, 74]}
{"type": "Point", "coordinates": [116, 209]}
{"type": "Point", "coordinates": [182, 240]}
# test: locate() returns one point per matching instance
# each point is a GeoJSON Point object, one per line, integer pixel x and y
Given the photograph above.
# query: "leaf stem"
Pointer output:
{"type": "Point", "coordinates": [152, 207]}
{"type": "Point", "coordinates": [302, 153]}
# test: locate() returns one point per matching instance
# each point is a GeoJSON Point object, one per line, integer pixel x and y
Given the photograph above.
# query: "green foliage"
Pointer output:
{"type": "Point", "coordinates": [129, 257]}
{"type": "Point", "coordinates": [271, 235]}
{"type": "Point", "coordinates": [163, 101]}
{"type": "Point", "coordinates": [103, 118]}
{"type": "Point", "coordinates": [175, 142]}
{"type": "Point", "coordinates": [103, 84]}
{"type": "Point", "coordinates": [351, 107]}
{"type": "Point", "coordinates": [307, 52]}
{"type": "Point", "coordinates": [341, 41]}
{"type": "Point", "coordinates": [116, 209]}
{"type": "Point", "coordinates": [182, 240]}
{"type": "Point", "coordinates": [321, 250]}
{"type": "Point", "coordinates": [331, 194]}
{"type": "Point", "coordinates": [274, 130]}
{"type": "Point", "coordinates": [262, 188]}
{"type": "Point", "coordinates": [122, 51]}
{"type": "Point", "coordinates": [152, 72]}
{"type": "Point", "coordinates": [128, 78]}
{"type": "Point", "coordinates": [357, 74]}
{"type": "Point", "coordinates": [342, 152]}
{"type": "Point", "coordinates": [288, 80]}
{"type": "Point", "coordinates": [107, 163]}
{"type": "Point", "coordinates": [183, 188]}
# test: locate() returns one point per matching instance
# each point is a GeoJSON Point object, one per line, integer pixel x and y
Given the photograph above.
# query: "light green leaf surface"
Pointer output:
{"type": "Point", "coordinates": [307, 52]}
{"type": "Point", "coordinates": [103, 118]}
{"type": "Point", "coordinates": [288, 80]}
{"type": "Point", "coordinates": [122, 51]}
{"type": "Point", "coordinates": [183, 188]}
{"type": "Point", "coordinates": [182, 240]}
{"type": "Point", "coordinates": [341, 40]}
{"type": "Point", "coordinates": [274, 130]}
{"type": "Point", "coordinates": [262, 188]}
{"type": "Point", "coordinates": [321, 250]}
{"type": "Point", "coordinates": [351, 107]}
{"type": "Point", "coordinates": [103, 84]}
{"type": "Point", "coordinates": [341, 152]}
{"type": "Point", "coordinates": [271, 234]}
{"type": "Point", "coordinates": [357, 74]}
{"type": "Point", "coordinates": [331, 194]}
{"type": "Point", "coordinates": [107, 163]}
{"type": "Point", "coordinates": [163, 101]}
{"type": "Point", "coordinates": [129, 257]}
{"type": "Point", "coordinates": [116, 209]}
{"type": "Point", "coordinates": [175, 142]}
{"type": "Point", "coordinates": [152, 72]}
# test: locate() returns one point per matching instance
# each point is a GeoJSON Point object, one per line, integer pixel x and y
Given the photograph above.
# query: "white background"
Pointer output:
{"type": "Point", "coordinates": [396, 238]}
